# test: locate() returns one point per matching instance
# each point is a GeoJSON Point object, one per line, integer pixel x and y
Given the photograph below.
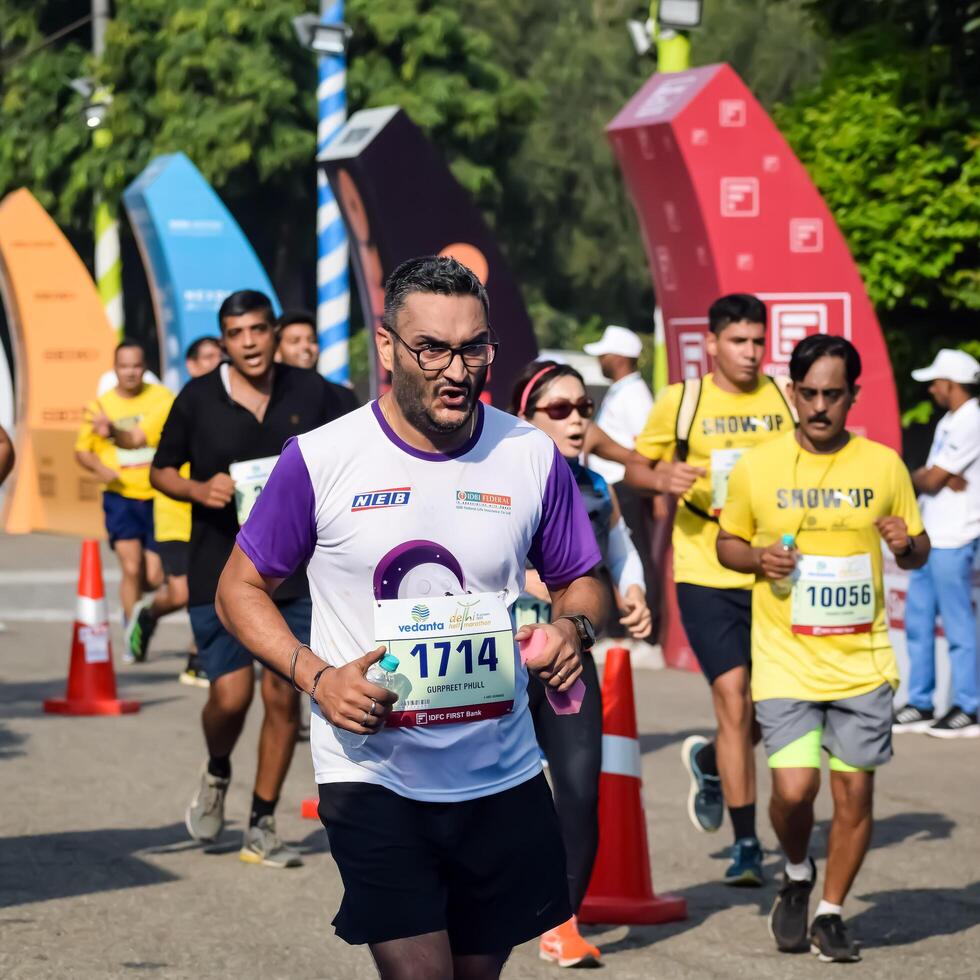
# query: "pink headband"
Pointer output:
{"type": "Point", "coordinates": [531, 384]}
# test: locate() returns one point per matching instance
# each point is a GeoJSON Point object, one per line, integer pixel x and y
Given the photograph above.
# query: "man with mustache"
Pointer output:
{"type": "Point", "coordinates": [805, 517]}
{"type": "Point", "coordinates": [735, 407]}
{"type": "Point", "coordinates": [414, 517]}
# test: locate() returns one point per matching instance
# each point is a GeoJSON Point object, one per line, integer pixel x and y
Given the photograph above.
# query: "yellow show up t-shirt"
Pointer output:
{"type": "Point", "coordinates": [725, 425]}
{"type": "Point", "coordinates": [171, 518]}
{"type": "Point", "coordinates": [829, 503]}
{"type": "Point", "coordinates": [131, 465]}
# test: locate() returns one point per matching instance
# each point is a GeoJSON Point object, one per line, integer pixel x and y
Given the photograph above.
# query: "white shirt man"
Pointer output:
{"type": "Point", "coordinates": [628, 401]}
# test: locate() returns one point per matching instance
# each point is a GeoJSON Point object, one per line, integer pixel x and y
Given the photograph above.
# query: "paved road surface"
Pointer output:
{"type": "Point", "coordinates": [99, 879]}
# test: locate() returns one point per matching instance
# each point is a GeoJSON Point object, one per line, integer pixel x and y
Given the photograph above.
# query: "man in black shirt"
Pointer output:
{"type": "Point", "coordinates": [230, 425]}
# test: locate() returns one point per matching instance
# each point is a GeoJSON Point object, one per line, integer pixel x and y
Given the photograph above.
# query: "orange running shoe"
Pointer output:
{"type": "Point", "coordinates": [566, 947]}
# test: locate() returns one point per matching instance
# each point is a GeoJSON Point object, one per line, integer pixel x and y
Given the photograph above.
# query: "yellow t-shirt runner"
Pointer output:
{"type": "Point", "coordinates": [171, 518]}
{"type": "Point", "coordinates": [131, 465]}
{"type": "Point", "coordinates": [828, 639]}
{"type": "Point", "coordinates": [725, 425]}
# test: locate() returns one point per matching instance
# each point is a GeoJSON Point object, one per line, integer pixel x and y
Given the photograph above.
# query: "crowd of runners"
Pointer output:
{"type": "Point", "coordinates": [412, 536]}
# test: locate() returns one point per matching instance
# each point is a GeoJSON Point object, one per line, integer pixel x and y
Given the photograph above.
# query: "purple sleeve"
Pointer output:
{"type": "Point", "coordinates": [563, 547]}
{"type": "Point", "coordinates": [280, 533]}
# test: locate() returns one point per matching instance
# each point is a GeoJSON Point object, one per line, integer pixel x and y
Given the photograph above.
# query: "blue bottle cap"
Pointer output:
{"type": "Point", "coordinates": [389, 662]}
{"type": "Point", "coordinates": [788, 541]}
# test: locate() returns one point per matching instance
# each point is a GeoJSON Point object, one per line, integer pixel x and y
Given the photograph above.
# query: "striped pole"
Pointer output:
{"type": "Point", "coordinates": [108, 265]}
{"type": "Point", "coordinates": [332, 286]}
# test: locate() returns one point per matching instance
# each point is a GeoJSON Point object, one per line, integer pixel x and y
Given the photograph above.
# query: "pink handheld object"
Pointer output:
{"type": "Point", "coordinates": [567, 703]}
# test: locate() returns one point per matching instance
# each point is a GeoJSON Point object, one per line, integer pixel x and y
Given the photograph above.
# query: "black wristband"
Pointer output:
{"type": "Point", "coordinates": [316, 680]}
{"type": "Point", "coordinates": [909, 548]}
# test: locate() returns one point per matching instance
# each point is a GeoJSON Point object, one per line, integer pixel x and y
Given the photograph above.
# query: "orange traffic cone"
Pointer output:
{"type": "Point", "coordinates": [621, 888]}
{"type": "Point", "coordinates": [91, 681]}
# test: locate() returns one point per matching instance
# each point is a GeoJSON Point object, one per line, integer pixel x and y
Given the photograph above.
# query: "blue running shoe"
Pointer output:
{"type": "Point", "coordinates": [746, 867]}
{"type": "Point", "coordinates": [705, 804]}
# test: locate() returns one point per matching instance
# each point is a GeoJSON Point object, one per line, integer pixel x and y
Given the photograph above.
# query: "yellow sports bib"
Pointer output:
{"type": "Point", "coordinates": [456, 657]}
{"type": "Point", "coordinates": [833, 596]}
{"type": "Point", "coordinates": [250, 477]}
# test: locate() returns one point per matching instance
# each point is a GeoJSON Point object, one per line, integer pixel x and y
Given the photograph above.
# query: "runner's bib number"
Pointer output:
{"type": "Point", "coordinates": [833, 596]}
{"type": "Point", "coordinates": [722, 463]}
{"type": "Point", "coordinates": [456, 657]}
{"type": "Point", "coordinates": [529, 611]}
{"type": "Point", "coordinates": [250, 477]}
{"type": "Point", "coordinates": [129, 458]}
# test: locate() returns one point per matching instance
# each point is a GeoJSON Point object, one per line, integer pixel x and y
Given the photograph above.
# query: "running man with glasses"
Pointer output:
{"type": "Point", "coordinates": [414, 517]}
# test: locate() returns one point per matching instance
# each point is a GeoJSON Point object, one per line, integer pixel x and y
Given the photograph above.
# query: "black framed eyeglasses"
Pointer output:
{"type": "Point", "coordinates": [438, 357]}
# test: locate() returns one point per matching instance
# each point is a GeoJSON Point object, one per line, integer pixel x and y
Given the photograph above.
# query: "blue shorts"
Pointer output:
{"type": "Point", "coordinates": [127, 519]}
{"type": "Point", "coordinates": [221, 653]}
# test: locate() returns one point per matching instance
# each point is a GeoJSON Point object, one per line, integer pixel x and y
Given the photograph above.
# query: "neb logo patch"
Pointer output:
{"type": "Point", "coordinates": [373, 499]}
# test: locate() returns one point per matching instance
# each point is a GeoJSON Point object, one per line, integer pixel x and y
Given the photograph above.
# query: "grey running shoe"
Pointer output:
{"type": "Point", "coordinates": [705, 803]}
{"type": "Point", "coordinates": [206, 814]}
{"type": "Point", "coordinates": [790, 912]}
{"type": "Point", "coordinates": [830, 941]}
{"type": "Point", "coordinates": [262, 845]}
{"type": "Point", "coordinates": [912, 719]}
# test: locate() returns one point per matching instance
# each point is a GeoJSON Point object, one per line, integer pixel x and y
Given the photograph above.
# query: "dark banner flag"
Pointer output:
{"type": "Point", "coordinates": [399, 200]}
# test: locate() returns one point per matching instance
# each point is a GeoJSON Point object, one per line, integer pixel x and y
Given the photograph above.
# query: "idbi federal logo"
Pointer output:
{"type": "Point", "coordinates": [420, 621]}
{"type": "Point", "coordinates": [491, 503]}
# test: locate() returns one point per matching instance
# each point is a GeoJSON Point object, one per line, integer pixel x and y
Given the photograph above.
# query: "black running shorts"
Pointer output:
{"type": "Point", "coordinates": [718, 622]}
{"type": "Point", "coordinates": [489, 871]}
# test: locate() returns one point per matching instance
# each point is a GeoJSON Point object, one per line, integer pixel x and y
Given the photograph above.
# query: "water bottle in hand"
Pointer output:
{"type": "Point", "coordinates": [782, 587]}
{"type": "Point", "coordinates": [380, 674]}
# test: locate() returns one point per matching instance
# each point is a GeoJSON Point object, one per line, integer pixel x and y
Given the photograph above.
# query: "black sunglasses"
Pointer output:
{"type": "Point", "coordinates": [561, 408]}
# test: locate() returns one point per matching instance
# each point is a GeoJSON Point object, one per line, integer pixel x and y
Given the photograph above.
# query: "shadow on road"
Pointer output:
{"type": "Point", "coordinates": [10, 742]}
{"type": "Point", "coordinates": [41, 867]}
{"type": "Point", "coordinates": [906, 915]}
{"type": "Point", "coordinates": [898, 917]}
{"type": "Point", "coordinates": [654, 741]}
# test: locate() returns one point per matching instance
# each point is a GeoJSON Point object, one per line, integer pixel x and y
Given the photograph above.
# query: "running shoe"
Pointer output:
{"type": "Point", "coordinates": [746, 867]}
{"type": "Point", "coordinates": [142, 627]}
{"type": "Point", "coordinates": [956, 723]}
{"type": "Point", "coordinates": [790, 912]}
{"type": "Point", "coordinates": [262, 845]}
{"type": "Point", "coordinates": [912, 719]}
{"type": "Point", "coordinates": [705, 803]}
{"type": "Point", "coordinates": [830, 941]}
{"type": "Point", "coordinates": [565, 946]}
{"type": "Point", "coordinates": [206, 814]}
{"type": "Point", "coordinates": [194, 673]}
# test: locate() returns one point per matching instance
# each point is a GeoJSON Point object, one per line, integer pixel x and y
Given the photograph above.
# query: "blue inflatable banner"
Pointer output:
{"type": "Point", "coordinates": [194, 253]}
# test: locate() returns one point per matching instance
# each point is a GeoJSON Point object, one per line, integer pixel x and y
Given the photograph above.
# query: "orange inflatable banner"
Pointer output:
{"type": "Point", "coordinates": [62, 344]}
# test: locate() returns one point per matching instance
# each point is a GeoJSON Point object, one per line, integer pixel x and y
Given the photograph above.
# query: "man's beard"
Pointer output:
{"type": "Point", "coordinates": [411, 391]}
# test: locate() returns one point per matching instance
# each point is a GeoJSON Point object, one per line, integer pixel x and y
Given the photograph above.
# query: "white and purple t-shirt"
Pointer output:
{"type": "Point", "coordinates": [376, 519]}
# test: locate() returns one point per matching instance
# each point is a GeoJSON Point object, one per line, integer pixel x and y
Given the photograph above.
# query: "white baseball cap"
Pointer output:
{"type": "Point", "coordinates": [951, 365]}
{"type": "Point", "coordinates": [616, 340]}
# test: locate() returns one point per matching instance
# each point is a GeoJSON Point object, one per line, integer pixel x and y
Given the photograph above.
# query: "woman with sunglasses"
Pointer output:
{"type": "Point", "coordinates": [552, 397]}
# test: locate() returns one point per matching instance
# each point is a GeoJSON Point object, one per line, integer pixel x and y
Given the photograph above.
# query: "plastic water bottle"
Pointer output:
{"type": "Point", "coordinates": [782, 587]}
{"type": "Point", "coordinates": [380, 674]}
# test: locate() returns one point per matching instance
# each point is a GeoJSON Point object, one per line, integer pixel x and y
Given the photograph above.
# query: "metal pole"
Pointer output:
{"type": "Point", "coordinates": [108, 260]}
{"type": "Point", "coordinates": [332, 286]}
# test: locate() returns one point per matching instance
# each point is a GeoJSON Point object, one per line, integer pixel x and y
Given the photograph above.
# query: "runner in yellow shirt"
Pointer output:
{"type": "Point", "coordinates": [127, 497]}
{"type": "Point", "coordinates": [695, 433]}
{"type": "Point", "coordinates": [805, 517]}
{"type": "Point", "coordinates": [172, 530]}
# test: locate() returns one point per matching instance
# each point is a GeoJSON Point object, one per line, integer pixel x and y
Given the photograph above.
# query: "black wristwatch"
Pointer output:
{"type": "Point", "coordinates": [585, 630]}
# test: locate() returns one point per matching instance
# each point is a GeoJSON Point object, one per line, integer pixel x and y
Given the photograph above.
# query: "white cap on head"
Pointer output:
{"type": "Point", "coordinates": [951, 365]}
{"type": "Point", "coordinates": [616, 340]}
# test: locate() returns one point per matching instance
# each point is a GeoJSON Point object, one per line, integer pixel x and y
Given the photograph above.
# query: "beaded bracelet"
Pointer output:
{"type": "Point", "coordinates": [316, 680]}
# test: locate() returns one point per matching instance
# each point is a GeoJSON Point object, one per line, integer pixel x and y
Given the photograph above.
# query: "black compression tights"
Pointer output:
{"type": "Point", "coordinates": [573, 746]}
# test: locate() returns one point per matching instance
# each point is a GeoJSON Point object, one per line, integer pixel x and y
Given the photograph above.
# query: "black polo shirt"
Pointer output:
{"type": "Point", "coordinates": [209, 430]}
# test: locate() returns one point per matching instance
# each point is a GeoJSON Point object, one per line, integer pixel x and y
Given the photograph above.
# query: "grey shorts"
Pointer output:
{"type": "Point", "coordinates": [856, 731]}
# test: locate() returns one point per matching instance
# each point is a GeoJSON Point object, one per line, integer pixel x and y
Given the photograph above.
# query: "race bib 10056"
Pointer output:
{"type": "Point", "coordinates": [833, 596]}
{"type": "Point", "coordinates": [250, 478]}
{"type": "Point", "coordinates": [456, 657]}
